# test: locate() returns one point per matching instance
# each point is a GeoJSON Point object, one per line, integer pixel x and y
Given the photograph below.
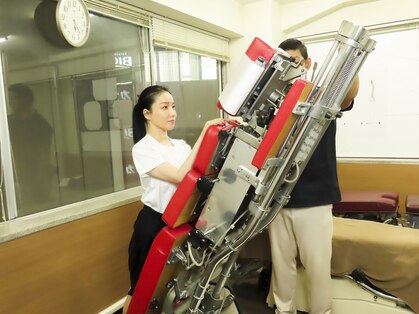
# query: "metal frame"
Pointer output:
{"type": "Point", "coordinates": [6, 151]}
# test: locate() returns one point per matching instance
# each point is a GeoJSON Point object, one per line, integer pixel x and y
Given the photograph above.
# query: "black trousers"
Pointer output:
{"type": "Point", "coordinates": [148, 224]}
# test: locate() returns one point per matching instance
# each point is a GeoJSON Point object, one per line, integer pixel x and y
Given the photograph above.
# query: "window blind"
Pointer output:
{"type": "Point", "coordinates": [172, 35]}
{"type": "Point", "coordinates": [122, 12]}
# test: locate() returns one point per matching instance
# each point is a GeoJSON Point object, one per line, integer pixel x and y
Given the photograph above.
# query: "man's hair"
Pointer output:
{"type": "Point", "coordinates": [294, 44]}
{"type": "Point", "coordinates": [22, 91]}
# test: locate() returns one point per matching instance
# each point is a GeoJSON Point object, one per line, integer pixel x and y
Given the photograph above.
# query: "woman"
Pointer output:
{"type": "Point", "coordinates": [161, 163]}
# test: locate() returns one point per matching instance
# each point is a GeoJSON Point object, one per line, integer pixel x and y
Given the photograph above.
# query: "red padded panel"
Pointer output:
{"type": "Point", "coordinates": [367, 202]}
{"type": "Point", "coordinates": [412, 204]}
{"type": "Point", "coordinates": [155, 273]}
{"type": "Point", "coordinates": [258, 48]}
{"type": "Point", "coordinates": [183, 201]}
{"type": "Point", "coordinates": [208, 146]}
{"type": "Point", "coordinates": [273, 140]}
{"type": "Point", "coordinates": [219, 105]}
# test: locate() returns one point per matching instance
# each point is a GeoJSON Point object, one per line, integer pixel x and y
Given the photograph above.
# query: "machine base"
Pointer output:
{"type": "Point", "coordinates": [350, 297]}
{"type": "Point", "coordinates": [207, 305]}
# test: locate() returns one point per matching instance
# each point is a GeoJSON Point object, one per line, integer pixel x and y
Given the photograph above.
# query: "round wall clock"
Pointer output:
{"type": "Point", "coordinates": [73, 21]}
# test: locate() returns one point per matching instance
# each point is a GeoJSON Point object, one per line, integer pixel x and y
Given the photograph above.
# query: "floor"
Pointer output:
{"type": "Point", "coordinates": [250, 299]}
{"type": "Point", "coordinates": [251, 296]}
{"type": "Point", "coordinates": [250, 287]}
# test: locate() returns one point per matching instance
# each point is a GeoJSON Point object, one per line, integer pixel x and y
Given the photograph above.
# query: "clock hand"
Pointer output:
{"type": "Point", "coordinates": [76, 28]}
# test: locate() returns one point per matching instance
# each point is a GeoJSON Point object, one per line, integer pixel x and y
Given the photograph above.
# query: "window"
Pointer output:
{"type": "Point", "coordinates": [193, 80]}
{"type": "Point", "coordinates": [66, 116]}
{"type": "Point", "coordinates": [69, 110]}
{"type": "Point", "coordinates": [209, 68]}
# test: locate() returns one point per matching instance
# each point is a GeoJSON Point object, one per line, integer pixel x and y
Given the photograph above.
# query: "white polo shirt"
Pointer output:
{"type": "Point", "coordinates": [147, 154]}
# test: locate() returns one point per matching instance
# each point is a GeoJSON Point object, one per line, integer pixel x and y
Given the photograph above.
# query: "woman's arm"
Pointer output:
{"type": "Point", "coordinates": [170, 173]}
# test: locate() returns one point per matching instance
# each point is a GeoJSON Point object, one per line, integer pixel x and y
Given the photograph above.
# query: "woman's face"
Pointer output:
{"type": "Point", "coordinates": [162, 114]}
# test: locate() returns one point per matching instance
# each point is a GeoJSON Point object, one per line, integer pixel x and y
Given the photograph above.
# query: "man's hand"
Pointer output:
{"type": "Point", "coordinates": [353, 91]}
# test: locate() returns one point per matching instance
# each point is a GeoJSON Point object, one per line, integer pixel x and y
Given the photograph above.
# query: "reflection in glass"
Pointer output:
{"type": "Point", "coordinates": [31, 139]}
{"type": "Point", "coordinates": [69, 109]}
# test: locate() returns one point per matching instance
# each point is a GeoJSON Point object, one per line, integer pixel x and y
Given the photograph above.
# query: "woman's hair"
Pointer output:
{"type": "Point", "coordinates": [145, 100]}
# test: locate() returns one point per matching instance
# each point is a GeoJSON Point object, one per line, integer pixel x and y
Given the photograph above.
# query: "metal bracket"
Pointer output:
{"type": "Point", "coordinates": [320, 112]}
{"type": "Point", "coordinates": [253, 180]}
{"type": "Point", "coordinates": [274, 162]}
{"type": "Point", "coordinates": [289, 71]}
{"type": "Point", "coordinates": [247, 175]}
{"type": "Point", "coordinates": [248, 138]}
{"type": "Point", "coordinates": [281, 199]}
{"type": "Point", "coordinates": [175, 256]}
{"type": "Point", "coordinates": [301, 108]}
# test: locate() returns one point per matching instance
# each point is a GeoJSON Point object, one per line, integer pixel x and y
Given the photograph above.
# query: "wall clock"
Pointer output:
{"type": "Point", "coordinates": [64, 23]}
{"type": "Point", "coordinates": [73, 21]}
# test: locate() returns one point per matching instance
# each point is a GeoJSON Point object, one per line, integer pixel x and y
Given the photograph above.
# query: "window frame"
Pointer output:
{"type": "Point", "coordinates": [14, 226]}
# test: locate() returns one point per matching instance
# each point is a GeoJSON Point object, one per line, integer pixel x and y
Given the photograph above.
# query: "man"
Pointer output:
{"type": "Point", "coordinates": [305, 226]}
{"type": "Point", "coordinates": [31, 138]}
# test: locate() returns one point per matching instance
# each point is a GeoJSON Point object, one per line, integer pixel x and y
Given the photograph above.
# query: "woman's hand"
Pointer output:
{"type": "Point", "coordinates": [217, 121]}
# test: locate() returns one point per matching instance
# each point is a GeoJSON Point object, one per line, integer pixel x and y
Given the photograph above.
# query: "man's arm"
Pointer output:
{"type": "Point", "coordinates": [353, 91]}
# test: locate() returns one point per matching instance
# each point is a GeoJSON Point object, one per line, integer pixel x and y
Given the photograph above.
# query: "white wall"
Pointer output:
{"type": "Point", "coordinates": [222, 17]}
{"type": "Point", "coordinates": [224, 13]}
{"type": "Point", "coordinates": [239, 20]}
{"type": "Point", "coordinates": [307, 17]}
{"type": "Point", "coordinates": [275, 20]}
{"type": "Point", "coordinates": [261, 20]}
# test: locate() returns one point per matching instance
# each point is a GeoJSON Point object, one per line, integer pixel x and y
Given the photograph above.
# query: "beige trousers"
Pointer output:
{"type": "Point", "coordinates": [306, 232]}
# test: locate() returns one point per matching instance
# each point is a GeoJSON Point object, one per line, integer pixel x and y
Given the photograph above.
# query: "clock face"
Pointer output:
{"type": "Point", "coordinates": [73, 21]}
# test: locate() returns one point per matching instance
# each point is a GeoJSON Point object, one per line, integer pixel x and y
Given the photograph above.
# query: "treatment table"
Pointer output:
{"type": "Point", "coordinates": [370, 205]}
{"type": "Point", "coordinates": [386, 255]}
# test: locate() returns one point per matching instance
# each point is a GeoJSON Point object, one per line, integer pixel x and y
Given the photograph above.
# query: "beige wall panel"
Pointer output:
{"type": "Point", "coordinates": [79, 267]}
{"type": "Point", "coordinates": [400, 178]}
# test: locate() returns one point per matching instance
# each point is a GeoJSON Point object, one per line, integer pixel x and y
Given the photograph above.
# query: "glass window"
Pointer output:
{"type": "Point", "coordinates": [194, 83]}
{"type": "Point", "coordinates": [209, 68]}
{"type": "Point", "coordinates": [168, 65]}
{"type": "Point", "coordinates": [190, 67]}
{"type": "Point", "coordinates": [69, 109]}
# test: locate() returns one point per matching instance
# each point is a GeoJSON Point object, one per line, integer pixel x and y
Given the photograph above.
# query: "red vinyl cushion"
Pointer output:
{"type": "Point", "coordinates": [270, 146]}
{"type": "Point", "coordinates": [183, 195]}
{"type": "Point", "coordinates": [183, 201]}
{"type": "Point", "coordinates": [153, 267]}
{"type": "Point", "coordinates": [412, 204]}
{"type": "Point", "coordinates": [367, 202]}
{"type": "Point", "coordinates": [258, 48]}
{"type": "Point", "coordinates": [209, 144]}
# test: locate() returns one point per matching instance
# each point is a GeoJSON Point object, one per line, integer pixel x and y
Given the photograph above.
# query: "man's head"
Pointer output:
{"type": "Point", "coordinates": [21, 99]}
{"type": "Point", "coordinates": [298, 50]}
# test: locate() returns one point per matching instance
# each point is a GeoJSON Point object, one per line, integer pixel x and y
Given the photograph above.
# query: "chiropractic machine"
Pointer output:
{"type": "Point", "coordinates": [244, 172]}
